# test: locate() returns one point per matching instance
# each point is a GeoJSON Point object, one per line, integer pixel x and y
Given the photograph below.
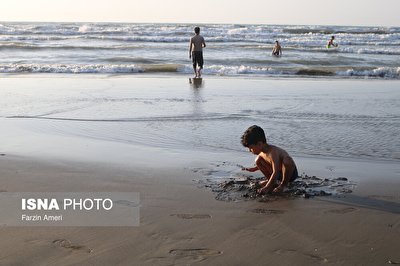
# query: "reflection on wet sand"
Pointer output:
{"type": "Point", "coordinates": [196, 83]}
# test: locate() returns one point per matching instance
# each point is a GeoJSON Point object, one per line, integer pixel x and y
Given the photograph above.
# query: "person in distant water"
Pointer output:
{"type": "Point", "coordinates": [196, 46]}
{"type": "Point", "coordinates": [277, 51]}
{"type": "Point", "coordinates": [331, 43]}
{"type": "Point", "coordinates": [277, 166]}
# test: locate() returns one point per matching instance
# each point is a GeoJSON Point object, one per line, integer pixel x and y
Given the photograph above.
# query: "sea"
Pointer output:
{"type": "Point", "coordinates": [232, 49]}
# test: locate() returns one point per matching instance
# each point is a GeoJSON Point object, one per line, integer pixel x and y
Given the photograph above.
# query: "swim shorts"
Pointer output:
{"type": "Point", "coordinates": [292, 178]}
{"type": "Point", "coordinates": [295, 175]}
{"type": "Point", "coordinates": [197, 58]}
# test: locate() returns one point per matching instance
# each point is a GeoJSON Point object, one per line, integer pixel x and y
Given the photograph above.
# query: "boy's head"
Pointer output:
{"type": "Point", "coordinates": [252, 136]}
{"type": "Point", "coordinates": [197, 30]}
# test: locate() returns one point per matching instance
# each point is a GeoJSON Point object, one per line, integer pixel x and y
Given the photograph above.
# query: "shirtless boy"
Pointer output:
{"type": "Point", "coordinates": [277, 51]}
{"type": "Point", "coordinates": [275, 163]}
{"type": "Point", "coordinates": [196, 46]}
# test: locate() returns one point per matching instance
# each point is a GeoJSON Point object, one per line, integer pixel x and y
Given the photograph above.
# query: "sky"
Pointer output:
{"type": "Point", "coordinates": [295, 12]}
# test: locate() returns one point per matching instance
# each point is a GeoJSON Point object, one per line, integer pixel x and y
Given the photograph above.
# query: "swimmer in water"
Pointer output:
{"type": "Point", "coordinates": [331, 43]}
{"type": "Point", "coordinates": [277, 51]}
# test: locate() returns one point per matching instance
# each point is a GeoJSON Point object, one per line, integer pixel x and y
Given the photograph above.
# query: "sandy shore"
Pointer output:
{"type": "Point", "coordinates": [181, 222]}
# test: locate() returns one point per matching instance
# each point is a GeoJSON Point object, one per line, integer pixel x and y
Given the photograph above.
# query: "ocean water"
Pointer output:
{"type": "Point", "coordinates": [232, 50]}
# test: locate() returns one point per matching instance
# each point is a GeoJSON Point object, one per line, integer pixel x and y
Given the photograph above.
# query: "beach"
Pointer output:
{"type": "Point", "coordinates": [167, 137]}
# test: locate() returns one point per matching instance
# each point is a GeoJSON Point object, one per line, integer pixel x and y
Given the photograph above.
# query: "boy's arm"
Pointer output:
{"type": "Point", "coordinates": [275, 170]}
{"type": "Point", "coordinates": [250, 169]}
{"type": "Point", "coordinates": [203, 43]}
{"type": "Point", "coordinates": [190, 48]}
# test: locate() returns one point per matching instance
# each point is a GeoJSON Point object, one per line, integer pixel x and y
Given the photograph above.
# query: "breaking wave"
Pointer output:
{"type": "Point", "coordinates": [218, 70]}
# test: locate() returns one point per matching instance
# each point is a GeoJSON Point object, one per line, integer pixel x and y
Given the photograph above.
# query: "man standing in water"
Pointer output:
{"type": "Point", "coordinates": [196, 46]}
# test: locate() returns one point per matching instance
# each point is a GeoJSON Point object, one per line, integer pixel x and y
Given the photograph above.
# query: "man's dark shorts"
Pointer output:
{"type": "Point", "coordinates": [197, 58]}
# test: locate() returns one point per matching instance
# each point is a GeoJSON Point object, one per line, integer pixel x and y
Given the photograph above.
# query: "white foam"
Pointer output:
{"type": "Point", "coordinates": [58, 68]}
{"type": "Point", "coordinates": [384, 72]}
{"type": "Point", "coordinates": [84, 28]}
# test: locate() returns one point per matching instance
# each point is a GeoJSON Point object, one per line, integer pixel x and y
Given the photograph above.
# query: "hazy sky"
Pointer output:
{"type": "Point", "coordinates": [331, 12]}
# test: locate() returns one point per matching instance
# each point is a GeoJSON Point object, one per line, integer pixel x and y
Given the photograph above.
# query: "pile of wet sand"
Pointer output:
{"type": "Point", "coordinates": [242, 186]}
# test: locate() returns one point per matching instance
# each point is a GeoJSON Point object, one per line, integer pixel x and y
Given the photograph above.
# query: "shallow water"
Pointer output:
{"type": "Point", "coordinates": [322, 118]}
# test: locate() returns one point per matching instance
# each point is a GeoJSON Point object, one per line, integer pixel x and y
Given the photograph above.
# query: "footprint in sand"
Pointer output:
{"type": "Point", "coordinates": [195, 253]}
{"type": "Point", "coordinates": [341, 211]}
{"type": "Point", "coordinates": [127, 203]}
{"type": "Point", "coordinates": [296, 252]}
{"type": "Point", "coordinates": [65, 243]}
{"type": "Point", "coordinates": [158, 236]}
{"type": "Point", "coordinates": [192, 216]}
{"type": "Point", "coordinates": [267, 211]}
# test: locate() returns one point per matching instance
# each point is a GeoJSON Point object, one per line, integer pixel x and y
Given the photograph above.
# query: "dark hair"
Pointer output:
{"type": "Point", "coordinates": [333, 37]}
{"type": "Point", "coordinates": [197, 30]}
{"type": "Point", "coordinates": [253, 135]}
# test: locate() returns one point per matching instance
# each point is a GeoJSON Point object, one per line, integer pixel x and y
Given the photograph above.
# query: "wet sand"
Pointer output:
{"type": "Point", "coordinates": [183, 224]}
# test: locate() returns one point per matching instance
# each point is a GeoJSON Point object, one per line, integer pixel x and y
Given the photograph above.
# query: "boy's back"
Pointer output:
{"type": "Point", "coordinates": [275, 154]}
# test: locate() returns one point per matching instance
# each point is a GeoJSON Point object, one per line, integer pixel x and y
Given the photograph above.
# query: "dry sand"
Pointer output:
{"type": "Point", "coordinates": [182, 224]}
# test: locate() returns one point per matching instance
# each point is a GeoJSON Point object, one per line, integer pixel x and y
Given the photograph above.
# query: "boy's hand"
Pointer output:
{"type": "Point", "coordinates": [264, 189]}
{"type": "Point", "coordinates": [278, 189]}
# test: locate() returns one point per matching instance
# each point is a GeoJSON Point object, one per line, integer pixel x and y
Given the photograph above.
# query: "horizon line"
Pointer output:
{"type": "Point", "coordinates": [193, 23]}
